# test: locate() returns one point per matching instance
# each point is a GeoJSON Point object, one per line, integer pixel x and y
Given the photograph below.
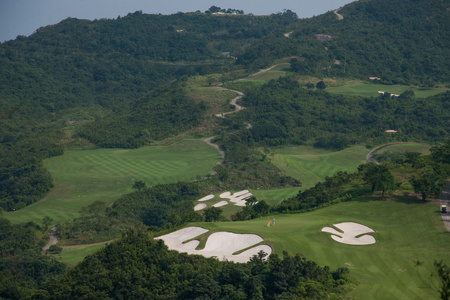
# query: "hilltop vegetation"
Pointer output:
{"type": "Point", "coordinates": [397, 41]}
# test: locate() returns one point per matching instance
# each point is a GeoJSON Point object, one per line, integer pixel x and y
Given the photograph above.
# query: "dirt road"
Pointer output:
{"type": "Point", "coordinates": [53, 239]}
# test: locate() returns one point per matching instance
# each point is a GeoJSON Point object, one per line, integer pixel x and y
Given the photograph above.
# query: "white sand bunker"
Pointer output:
{"type": "Point", "coordinates": [199, 206]}
{"type": "Point", "coordinates": [221, 203]}
{"type": "Point", "coordinates": [353, 233]}
{"type": "Point", "coordinates": [220, 244]}
{"type": "Point", "coordinates": [206, 198]}
{"type": "Point", "coordinates": [237, 198]}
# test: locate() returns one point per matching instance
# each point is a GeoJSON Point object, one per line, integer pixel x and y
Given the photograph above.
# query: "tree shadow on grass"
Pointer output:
{"type": "Point", "coordinates": [407, 198]}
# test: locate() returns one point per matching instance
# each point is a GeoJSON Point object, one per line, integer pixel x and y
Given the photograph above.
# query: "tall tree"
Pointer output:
{"type": "Point", "coordinates": [379, 177]}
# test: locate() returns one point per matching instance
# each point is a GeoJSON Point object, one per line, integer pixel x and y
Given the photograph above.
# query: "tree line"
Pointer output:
{"type": "Point", "coordinates": [139, 267]}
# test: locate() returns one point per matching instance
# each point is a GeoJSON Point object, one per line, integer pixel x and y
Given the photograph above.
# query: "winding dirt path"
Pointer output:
{"type": "Point", "coordinates": [53, 239]}
{"type": "Point", "coordinates": [233, 101]}
{"type": "Point", "coordinates": [237, 108]}
{"type": "Point", "coordinates": [339, 16]}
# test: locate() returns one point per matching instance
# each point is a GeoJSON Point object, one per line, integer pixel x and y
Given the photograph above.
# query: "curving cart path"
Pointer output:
{"type": "Point", "coordinates": [236, 109]}
{"type": "Point", "coordinates": [445, 200]}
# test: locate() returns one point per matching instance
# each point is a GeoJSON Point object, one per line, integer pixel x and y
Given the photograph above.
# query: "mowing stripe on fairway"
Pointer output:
{"type": "Point", "coordinates": [82, 177]}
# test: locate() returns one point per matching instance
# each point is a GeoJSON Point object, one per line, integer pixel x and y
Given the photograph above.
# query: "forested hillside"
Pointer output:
{"type": "Point", "coordinates": [282, 112]}
{"type": "Point", "coordinates": [397, 41]}
{"type": "Point", "coordinates": [104, 70]}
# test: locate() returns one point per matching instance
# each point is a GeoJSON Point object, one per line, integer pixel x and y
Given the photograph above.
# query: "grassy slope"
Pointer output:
{"type": "Point", "coordinates": [311, 165]}
{"type": "Point", "coordinates": [424, 149]}
{"type": "Point", "coordinates": [360, 88]}
{"type": "Point", "coordinates": [405, 231]}
{"type": "Point", "coordinates": [82, 177]}
{"type": "Point", "coordinates": [75, 254]}
{"type": "Point", "coordinates": [308, 164]}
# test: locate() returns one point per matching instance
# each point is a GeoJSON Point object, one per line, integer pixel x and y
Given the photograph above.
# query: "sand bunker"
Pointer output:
{"type": "Point", "coordinates": [206, 198]}
{"type": "Point", "coordinates": [237, 198]}
{"type": "Point", "coordinates": [221, 245]}
{"type": "Point", "coordinates": [199, 206]}
{"type": "Point", "coordinates": [221, 203]}
{"type": "Point", "coordinates": [353, 233]}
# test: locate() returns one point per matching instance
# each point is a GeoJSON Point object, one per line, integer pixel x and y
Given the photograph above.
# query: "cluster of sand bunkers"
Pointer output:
{"type": "Point", "coordinates": [241, 247]}
{"type": "Point", "coordinates": [237, 199]}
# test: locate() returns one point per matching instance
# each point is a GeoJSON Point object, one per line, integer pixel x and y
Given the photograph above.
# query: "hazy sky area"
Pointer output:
{"type": "Point", "coordinates": [23, 17]}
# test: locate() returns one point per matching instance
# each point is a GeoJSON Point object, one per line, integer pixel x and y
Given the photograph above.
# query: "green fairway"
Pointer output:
{"type": "Point", "coordinates": [423, 149]}
{"type": "Point", "coordinates": [360, 88]}
{"type": "Point", "coordinates": [307, 164]}
{"type": "Point", "coordinates": [404, 232]}
{"type": "Point", "coordinates": [275, 196]}
{"type": "Point", "coordinates": [82, 177]}
{"type": "Point", "coordinates": [311, 165]}
{"type": "Point", "coordinates": [75, 254]}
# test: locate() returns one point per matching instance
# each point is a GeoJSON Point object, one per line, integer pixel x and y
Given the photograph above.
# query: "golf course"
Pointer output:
{"type": "Point", "coordinates": [405, 231]}
{"type": "Point", "coordinates": [82, 177]}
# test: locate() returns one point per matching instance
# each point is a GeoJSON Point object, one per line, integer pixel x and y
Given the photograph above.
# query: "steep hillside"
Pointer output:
{"type": "Point", "coordinates": [108, 62]}
{"type": "Point", "coordinates": [398, 41]}
{"type": "Point", "coordinates": [282, 112]}
{"type": "Point", "coordinates": [80, 71]}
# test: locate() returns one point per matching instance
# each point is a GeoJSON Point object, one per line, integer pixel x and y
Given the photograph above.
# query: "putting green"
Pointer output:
{"type": "Point", "coordinates": [82, 177]}
{"type": "Point", "coordinates": [404, 232]}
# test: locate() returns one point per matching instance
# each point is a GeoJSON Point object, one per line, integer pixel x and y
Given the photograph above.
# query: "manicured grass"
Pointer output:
{"type": "Point", "coordinates": [275, 196]}
{"type": "Point", "coordinates": [307, 164]}
{"type": "Point", "coordinates": [82, 177]}
{"type": "Point", "coordinates": [360, 88]}
{"type": "Point", "coordinates": [423, 149]}
{"type": "Point", "coordinates": [75, 254]}
{"type": "Point", "coordinates": [404, 231]}
{"type": "Point", "coordinates": [311, 165]}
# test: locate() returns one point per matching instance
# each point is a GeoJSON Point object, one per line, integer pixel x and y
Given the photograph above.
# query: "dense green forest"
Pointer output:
{"type": "Point", "coordinates": [140, 268]}
{"type": "Point", "coordinates": [397, 41]}
{"type": "Point", "coordinates": [163, 112]}
{"type": "Point", "coordinates": [122, 83]}
{"type": "Point", "coordinates": [282, 112]}
{"type": "Point", "coordinates": [23, 267]}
